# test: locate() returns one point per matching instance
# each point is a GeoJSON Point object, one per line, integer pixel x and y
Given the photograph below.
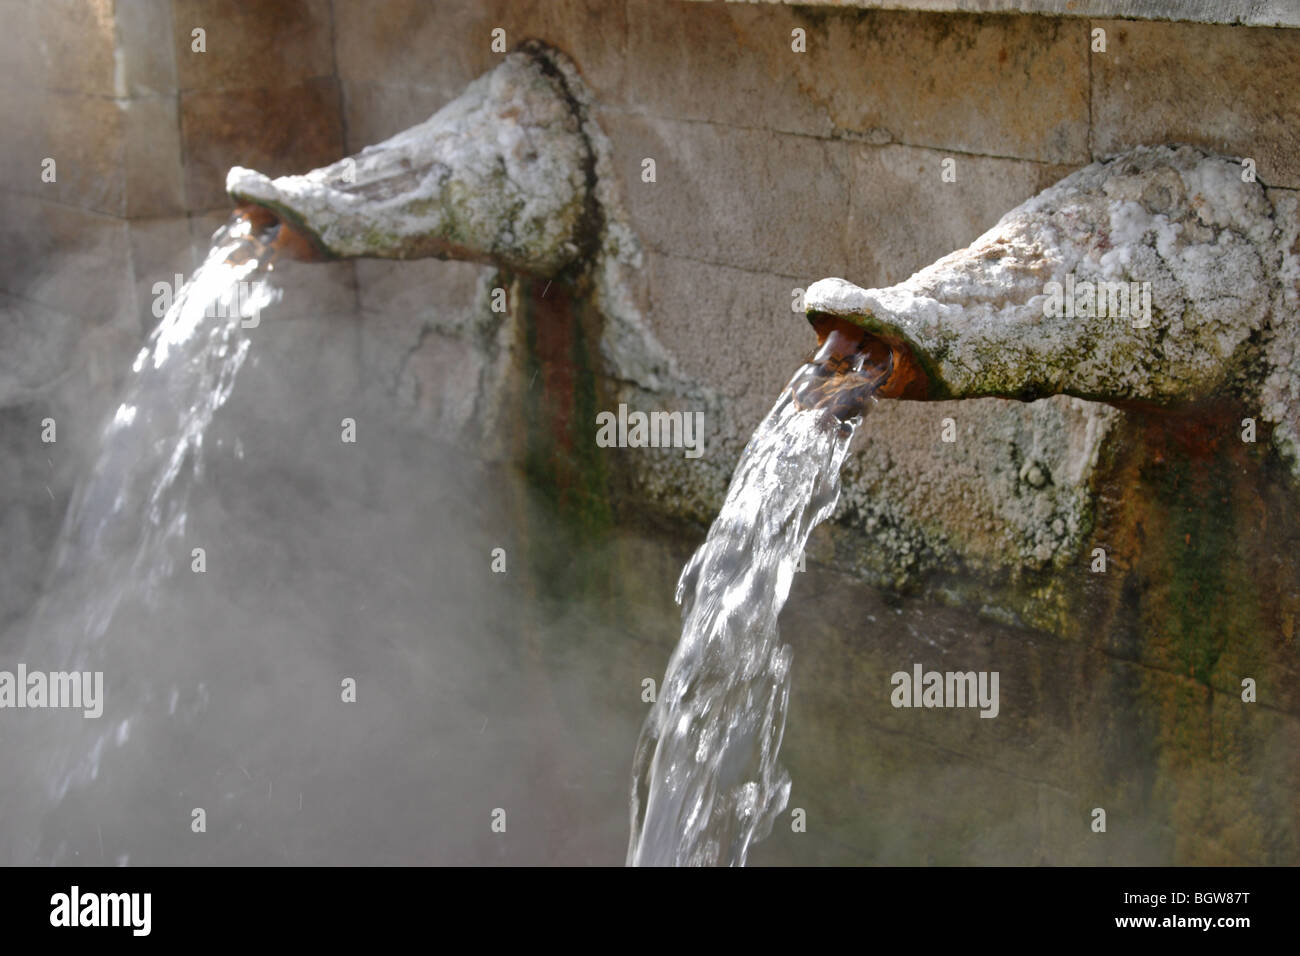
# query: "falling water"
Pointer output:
{"type": "Point", "coordinates": [134, 500]}
{"type": "Point", "coordinates": [126, 521]}
{"type": "Point", "coordinates": [706, 783]}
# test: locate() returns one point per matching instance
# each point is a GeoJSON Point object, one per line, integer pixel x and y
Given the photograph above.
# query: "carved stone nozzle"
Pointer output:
{"type": "Point", "coordinates": [501, 174]}
{"type": "Point", "coordinates": [1161, 275]}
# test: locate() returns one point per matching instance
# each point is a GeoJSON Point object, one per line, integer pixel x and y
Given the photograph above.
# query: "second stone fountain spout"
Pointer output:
{"type": "Point", "coordinates": [1161, 276]}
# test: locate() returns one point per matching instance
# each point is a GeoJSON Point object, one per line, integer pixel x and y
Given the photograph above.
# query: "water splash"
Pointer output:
{"type": "Point", "coordinates": [706, 783]}
{"type": "Point", "coordinates": [134, 499]}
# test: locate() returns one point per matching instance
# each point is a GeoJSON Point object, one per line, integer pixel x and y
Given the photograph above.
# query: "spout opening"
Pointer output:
{"type": "Point", "coordinates": [906, 376]}
{"type": "Point", "coordinates": [282, 232]}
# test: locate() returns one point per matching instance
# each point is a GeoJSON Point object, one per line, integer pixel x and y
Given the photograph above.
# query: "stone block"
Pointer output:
{"type": "Point", "coordinates": [75, 46]}
{"type": "Point", "coordinates": [444, 46]}
{"type": "Point", "coordinates": [750, 199]}
{"type": "Point", "coordinates": [145, 48]}
{"type": "Point", "coordinates": [1234, 91]}
{"type": "Point", "coordinates": [741, 54]}
{"type": "Point", "coordinates": [897, 187]}
{"type": "Point", "coordinates": [267, 45]}
{"type": "Point", "coordinates": [996, 85]}
{"type": "Point", "coordinates": [289, 129]}
{"type": "Point", "coordinates": [153, 174]}
{"type": "Point", "coordinates": [67, 259]}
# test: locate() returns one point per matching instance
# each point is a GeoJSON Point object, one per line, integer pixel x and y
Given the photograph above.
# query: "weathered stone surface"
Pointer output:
{"type": "Point", "coordinates": [1279, 393]}
{"type": "Point", "coordinates": [1185, 775]}
{"type": "Point", "coordinates": [86, 137]}
{"type": "Point", "coordinates": [36, 345]}
{"type": "Point", "coordinates": [754, 80]}
{"type": "Point", "coordinates": [1201, 580]}
{"type": "Point", "coordinates": [153, 169]}
{"type": "Point", "coordinates": [977, 502]}
{"type": "Point", "coordinates": [34, 477]}
{"type": "Point", "coordinates": [591, 32]}
{"type": "Point", "coordinates": [1072, 734]}
{"type": "Point", "coordinates": [160, 251]}
{"type": "Point", "coordinates": [20, 149]}
{"type": "Point", "coordinates": [114, 153]}
{"type": "Point", "coordinates": [145, 48]}
{"type": "Point", "coordinates": [398, 42]}
{"type": "Point", "coordinates": [1039, 69]}
{"type": "Point", "coordinates": [281, 130]}
{"type": "Point", "coordinates": [1002, 86]}
{"type": "Point", "coordinates": [418, 293]}
{"type": "Point", "coordinates": [1248, 12]}
{"type": "Point", "coordinates": [265, 45]}
{"type": "Point", "coordinates": [70, 242]}
{"type": "Point", "coordinates": [749, 199]}
{"type": "Point", "coordinates": [76, 46]}
{"type": "Point", "coordinates": [1254, 812]}
{"type": "Point", "coordinates": [691, 303]}
{"type": "Point", "coordinates": [688, 305]}
{"type": "Point", "coordinates": [438, 385]}
{"type": "Point", "coordinates": [894, 187]}
{"type": "Point", "coordinates": [413, 316]}
{"type": "Point", "coordinates": [21, 63]}
{"type": "Point", "coordinates": [373, 112]}
{"type": "Point", "coordinates": [1235, 92]}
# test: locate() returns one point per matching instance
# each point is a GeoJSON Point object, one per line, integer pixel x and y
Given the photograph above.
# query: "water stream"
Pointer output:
{"type": "Point", "coordinates": [706, 783]}
{"type": "Point", "coordinates": [124, 529]}
{"type": "Point", "coordinates": [133, 500]}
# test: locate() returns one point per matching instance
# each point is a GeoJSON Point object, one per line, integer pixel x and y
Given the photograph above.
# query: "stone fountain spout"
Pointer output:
{"type": "Point", "coordinates": [1162, 275]}
{"type": "Point", "coordinates": [502, 174]}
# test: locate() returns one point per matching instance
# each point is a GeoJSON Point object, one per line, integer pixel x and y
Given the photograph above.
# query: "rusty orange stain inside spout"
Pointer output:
{"type": "Point", "coordinates": [901, 376]}
{"type": "Point", "coordinates": [278, 235]}
{"type": "Point", "coordinates": [291, 243]}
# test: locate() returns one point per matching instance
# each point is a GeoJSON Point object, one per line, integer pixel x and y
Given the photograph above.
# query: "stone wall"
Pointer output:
{"type": "Point", "coordinates": [773, 168]}
{"type": "Point", "coordinates": [776, 168]}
